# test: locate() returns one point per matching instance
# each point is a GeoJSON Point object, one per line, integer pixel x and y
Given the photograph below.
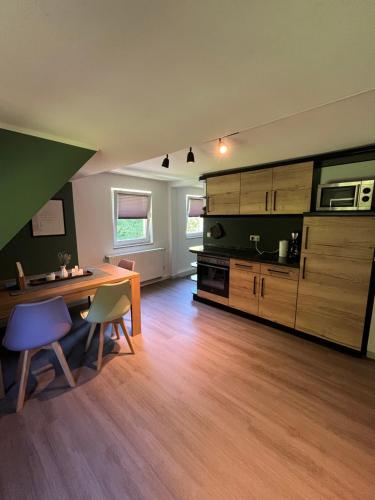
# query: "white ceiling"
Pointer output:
{"type": "Point", "coordinates": [138, 79]}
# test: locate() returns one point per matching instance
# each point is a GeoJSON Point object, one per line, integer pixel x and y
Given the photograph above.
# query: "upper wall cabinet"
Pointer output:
{"type": "Point", "coordinates": [277, 190]}
{"type": "Point", "coordinates": [223, 195]}
{"type": "Point", "coordinates": [256, 192]}
{"type": "Point", "coordinates": [291, 188]}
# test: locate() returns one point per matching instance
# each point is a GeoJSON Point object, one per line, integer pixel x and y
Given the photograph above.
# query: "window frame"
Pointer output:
{"type": "Point", "coordinates": [190, 236]}
{"type": "Point", "coordinates": [148, 240]}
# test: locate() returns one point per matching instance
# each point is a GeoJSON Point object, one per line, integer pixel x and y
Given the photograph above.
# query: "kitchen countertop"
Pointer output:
{"type": "Point", "coordinates": [238, 253]}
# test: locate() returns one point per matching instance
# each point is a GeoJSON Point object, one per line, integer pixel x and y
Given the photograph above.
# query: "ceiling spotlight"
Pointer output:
{"type": "Point", "coordinates": [190, 157]}
{"type": "Point", "coordinates": [165, 162]}
{"type": "Point", "coordinates": [223, 148]}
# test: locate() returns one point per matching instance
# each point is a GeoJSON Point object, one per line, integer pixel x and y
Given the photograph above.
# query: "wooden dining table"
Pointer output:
{"type": "Point", "coordinates": [75, 290]}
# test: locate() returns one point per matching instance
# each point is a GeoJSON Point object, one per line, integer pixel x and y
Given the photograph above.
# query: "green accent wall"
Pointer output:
{"type": "Point", "coordinates": [32, 170]}
{"type": "Point", "coordinates": [39, 254]}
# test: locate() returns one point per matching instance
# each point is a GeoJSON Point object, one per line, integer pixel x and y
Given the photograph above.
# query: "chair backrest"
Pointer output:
{"type": "Point", "coordinates": [111, 301]}
{"type": "Point", "coordinates": [37, 324]}
{"type": "Point", "coordinates": [127, 264]}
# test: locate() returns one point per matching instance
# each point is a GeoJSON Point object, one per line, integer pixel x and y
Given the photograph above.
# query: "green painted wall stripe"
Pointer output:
{"type": "Point", "coordinates": [32, 170]}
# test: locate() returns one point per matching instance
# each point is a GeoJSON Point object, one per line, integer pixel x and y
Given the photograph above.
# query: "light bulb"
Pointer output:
{"type": "Point", "coordinates": [223, 148]}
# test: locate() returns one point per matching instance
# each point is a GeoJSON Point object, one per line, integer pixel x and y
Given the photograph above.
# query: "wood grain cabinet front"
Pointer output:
{"type": "Point", "coordinates": [341, 236]}
{"type": "Point", "coordinates": [332, 298]}
{"type": "Point", "coordinates": [223, 195]}
{"type": "Point", "coordinates": [256, 190]}
{"type": "Point", "coordinates": [336, 265]}
{"type": "Point", "coordinates": [244, 285]}
{"type": "Point", "coordinates": [291, 188]}
{"type": "Point", "coordinates": [277, 299]}
{"type": "Point", "coordinates": [277, 190]}
{"type": "Point", "coordinates": [265, 290]}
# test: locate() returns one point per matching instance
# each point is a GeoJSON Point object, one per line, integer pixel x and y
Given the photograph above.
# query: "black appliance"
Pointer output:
{"type": "Point", "coordinates": [213, 275]}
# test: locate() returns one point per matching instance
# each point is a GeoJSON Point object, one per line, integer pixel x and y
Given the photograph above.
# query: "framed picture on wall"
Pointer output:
{"type": "Point", "coordinates": [49, 221]}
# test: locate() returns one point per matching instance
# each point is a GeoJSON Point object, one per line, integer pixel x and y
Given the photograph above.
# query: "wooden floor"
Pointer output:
{"type": "Point", "coordinates": [212, 406]}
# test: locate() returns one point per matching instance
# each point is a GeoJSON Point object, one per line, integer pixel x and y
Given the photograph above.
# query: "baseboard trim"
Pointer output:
{"type": "Point", "coordinates": [183, 274]}
{"type": "Point", "coordinates": [370, 355]}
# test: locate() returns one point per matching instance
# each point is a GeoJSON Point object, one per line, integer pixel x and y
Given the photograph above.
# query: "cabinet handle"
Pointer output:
{"type": "Point", "coordinates": [255, 286]}
{"type": "Point", "coordinates": [274, 201]}
{"type": "Point", "coordinates": [277, 271]}
{"type": "Point", "coordinates": [243, 266]}
{"type": "Point", "coordinates": [266, 201]}
{"type": "Point", "coordinates": [262, 288]}
{"type": "Point", "coordinates": [306, 236]}
{"type": "Point", "coordinates": [303, 268]}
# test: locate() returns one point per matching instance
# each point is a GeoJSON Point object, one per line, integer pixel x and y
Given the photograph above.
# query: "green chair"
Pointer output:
{"type": "Point", "coordinates": [111, 302]}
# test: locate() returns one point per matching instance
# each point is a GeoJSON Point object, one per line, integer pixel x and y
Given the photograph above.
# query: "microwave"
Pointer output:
{"type": "Point", "coordinates": [349, 195]}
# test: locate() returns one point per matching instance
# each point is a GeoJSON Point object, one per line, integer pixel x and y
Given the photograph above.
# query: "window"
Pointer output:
{"type": "Point", "coordinates": [132, 223]}
{"type": "Point", "coordinates": [194, 223]}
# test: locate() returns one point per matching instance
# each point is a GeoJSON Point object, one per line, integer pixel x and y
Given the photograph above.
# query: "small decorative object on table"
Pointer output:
{"type": "Point", "coordinates": [21, 282]}
{"type": "Point", "coordinates": [64, 259]}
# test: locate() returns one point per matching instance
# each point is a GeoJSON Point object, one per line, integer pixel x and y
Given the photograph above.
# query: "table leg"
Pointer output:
{"type": "Point", "coordinates": [136, 306]}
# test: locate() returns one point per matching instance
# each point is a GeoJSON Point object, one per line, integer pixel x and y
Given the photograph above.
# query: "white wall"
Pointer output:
{"type": "Point", "coordinates": [93, 214]}
{"type": "Point", "coordinates": [181, 257]}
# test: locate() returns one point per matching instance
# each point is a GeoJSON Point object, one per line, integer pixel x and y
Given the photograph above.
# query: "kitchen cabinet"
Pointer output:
{"type": "Point", "coordinates": [277, 299]}
{"type": "Point", "coordinates": [291, 188]}
{"type": "Point", "coordinates": [269, 291]}
{"type": "Point", "coordinates": [223, 195]}
{"type": "Point", "coordinates": [277, 190]}
{"type": "Point", "coordinates": [244, 282]}
{"type": "Point", "coordinates": [256, 192]}
{"type": "Point", "coordinates": [342, 236]}
{"type": "Point", "coordinates": [332, 297]}
{"type": "Point", "coordinates": [336, 265]}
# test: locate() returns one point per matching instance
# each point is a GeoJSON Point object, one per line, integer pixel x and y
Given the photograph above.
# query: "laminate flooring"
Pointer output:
{"type": "Point", "coordinates": [211, 406]}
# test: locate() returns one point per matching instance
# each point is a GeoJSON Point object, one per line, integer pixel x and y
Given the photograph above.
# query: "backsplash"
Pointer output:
{"type": "Point", "coordinates": [237, 230]}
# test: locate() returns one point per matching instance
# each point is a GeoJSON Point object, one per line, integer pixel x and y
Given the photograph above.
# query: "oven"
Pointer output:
{"type": "Point", "coordinates": [213, 275]}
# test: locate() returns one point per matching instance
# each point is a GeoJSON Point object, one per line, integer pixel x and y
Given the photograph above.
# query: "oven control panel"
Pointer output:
{"type": "Point", "coordinates": [215, 261]}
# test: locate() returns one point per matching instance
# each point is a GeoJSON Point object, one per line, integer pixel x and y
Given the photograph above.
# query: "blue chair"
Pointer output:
{"type": "Point", "coordinates": [36, 326]}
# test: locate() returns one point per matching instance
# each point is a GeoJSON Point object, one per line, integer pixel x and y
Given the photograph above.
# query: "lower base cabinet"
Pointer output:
{"type": "Point", "coordinates": [255, 289]}
{"type": "Point", "coordinates": [277, 300]}
{"type": "Point", "coordinates": [244, 286]}
{"type": "Point", "coordinates": [332, 298]}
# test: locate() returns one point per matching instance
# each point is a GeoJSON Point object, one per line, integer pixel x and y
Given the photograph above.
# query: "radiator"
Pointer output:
{"type": "Point", "coordinates": [149, 263]}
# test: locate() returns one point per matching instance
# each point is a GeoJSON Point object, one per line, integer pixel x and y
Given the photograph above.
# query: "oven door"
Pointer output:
{"type": "Point", "coordinates": [339, 196]}
{"type": "Point", "coordinates": [213, 278]}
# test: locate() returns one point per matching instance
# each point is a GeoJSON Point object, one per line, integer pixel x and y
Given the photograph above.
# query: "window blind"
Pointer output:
{"type": "Point", "coordinates": [133, 206]}
{"type": "Point", "coordinates": [195, 207]}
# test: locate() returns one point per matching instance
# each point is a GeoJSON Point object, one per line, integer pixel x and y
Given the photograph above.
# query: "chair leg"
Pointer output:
{"type": "Point", "coordinates": [115, 327]}
{"type": "Point", "coordinates": [90, 335]}
{"type": "Point", "coordinates": [64, 365]}
{"type": "Point", "coordinates": [124, 329]}
{"type": "Point", "coordinates": [100, 347]}
{"type": "Point", "coordinates": [24, 361]}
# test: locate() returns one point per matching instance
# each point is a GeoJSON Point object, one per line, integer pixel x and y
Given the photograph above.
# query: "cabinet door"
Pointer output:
{"type": "Point", "coordinates": [332, 298]}
{"type": "Point", "coordinates": [244, 286]}
{"type": "Point", "coordinates": [291, 188]}
{"type": "Point", "coordinates": [342, 236]}
{"type": "Point", "coordinates": [223, 195]}
{"type": "Point", "coordinates": [256, 189]}
{"type": "Point", "coordinates": [277, 300]}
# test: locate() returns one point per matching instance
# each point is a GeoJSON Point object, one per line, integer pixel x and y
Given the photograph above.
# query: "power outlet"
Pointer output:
{"type": "Point", "coordinates": [254, 237]}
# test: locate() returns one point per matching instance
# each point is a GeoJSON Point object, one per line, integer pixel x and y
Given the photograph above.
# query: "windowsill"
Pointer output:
{"type": "Point", "coordinates": [132, 245]}
{"type": "Point", "coordinates": [193, 236]}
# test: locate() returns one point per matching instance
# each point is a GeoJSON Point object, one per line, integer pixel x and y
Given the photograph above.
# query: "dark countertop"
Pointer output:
{"type": "Point", "coordinates": [237, 253]}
